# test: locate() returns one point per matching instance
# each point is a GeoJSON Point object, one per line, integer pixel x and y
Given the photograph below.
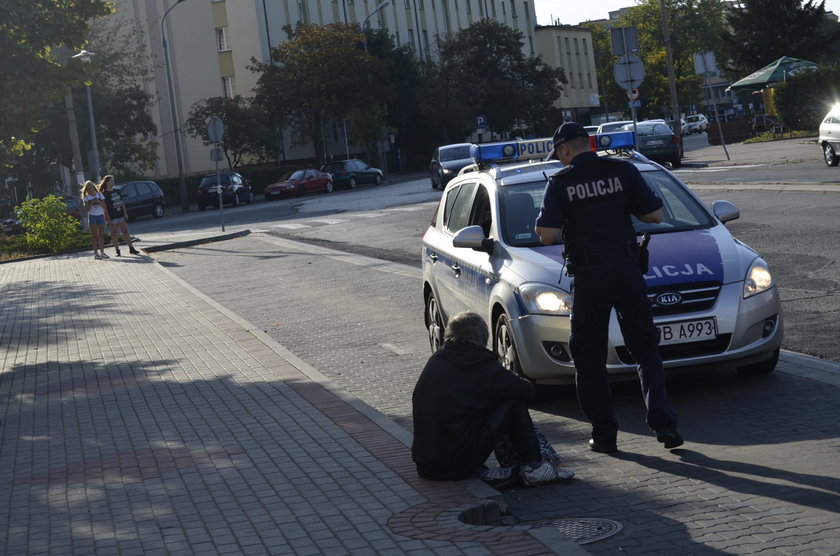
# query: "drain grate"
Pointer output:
{"type": "Point", "coordinates": [584, 530]}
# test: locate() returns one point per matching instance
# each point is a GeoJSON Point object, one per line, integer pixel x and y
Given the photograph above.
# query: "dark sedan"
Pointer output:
{"type": "Point", "coordinates": [235, 190]}
{"type": "Point", "coordinates": [353, 172]}
{"type": "Point", "coordinates": [447, 162]}
{"type": "Point", "coordinates": [657, 142]}
{"type": "Point", "coordinates": [142, 198]}
{"type": "Point", "coordinates": [299, 182]}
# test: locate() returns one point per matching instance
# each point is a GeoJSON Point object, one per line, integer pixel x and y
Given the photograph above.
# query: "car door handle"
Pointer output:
{"type": "Point", "coordinates": [433, 257]}
{"type": "Point", "coordinates": [456, 268]}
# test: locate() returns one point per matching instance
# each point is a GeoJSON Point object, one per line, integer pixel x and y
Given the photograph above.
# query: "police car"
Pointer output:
{"type": "Point", "coordinates": [714, 299]}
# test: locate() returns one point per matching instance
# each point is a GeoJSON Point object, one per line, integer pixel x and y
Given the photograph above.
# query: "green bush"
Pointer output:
{"type": "Point", "coordinates": [48, 226]}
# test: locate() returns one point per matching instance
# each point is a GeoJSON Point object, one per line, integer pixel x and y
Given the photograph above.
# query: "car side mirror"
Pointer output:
{"type": "Point", "coordinates": [473, 238]}
{"type": "Point", "coordinates": [725, 211]}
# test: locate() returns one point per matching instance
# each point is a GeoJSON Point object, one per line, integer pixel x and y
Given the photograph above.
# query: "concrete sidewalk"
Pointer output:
{"type": "Point", "coordinates": [140, 417]}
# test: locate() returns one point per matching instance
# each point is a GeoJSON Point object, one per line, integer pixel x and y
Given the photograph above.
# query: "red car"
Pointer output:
{"type": "Point", "coordinates": [299, 182]}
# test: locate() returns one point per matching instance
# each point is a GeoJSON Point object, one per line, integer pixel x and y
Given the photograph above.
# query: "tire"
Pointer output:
{"type": "Point", "coordinates": [434, 185]}
{"type": "Point", "coordinates": [762, 367]}
{"type": "Point", "coordinates": [328, 187]}
{"type": "Point", "coordinates": [831, 158]}
{"type": "Point", "coordinates": [251, 197]}
{"type": "Point", "coordinates": [378, 179]}
{"type": "Point", "coordinates": [158, 210]}
{"type": "Point", "coordinates": [235, 199]}
{"type": "Point", "coordinates": [434, 322]}
{"type": "Point", "coordinates": [505, 347]}
{"type": "Point", "coordinates": [676, 162]}
{"type": "Point", "coordinates": [352, 182]}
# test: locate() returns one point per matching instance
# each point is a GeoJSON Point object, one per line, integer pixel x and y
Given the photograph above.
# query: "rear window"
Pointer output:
{"type": "Point", "coordinates": [455, 153]}
{"type": "Point", "coordinates": [211, 180]}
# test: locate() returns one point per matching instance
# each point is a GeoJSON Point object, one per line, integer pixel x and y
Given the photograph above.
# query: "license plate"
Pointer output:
{"type": "Point", "coordinates": [687, 331]}
{"type": "Point", "coordinates": [656, 142]}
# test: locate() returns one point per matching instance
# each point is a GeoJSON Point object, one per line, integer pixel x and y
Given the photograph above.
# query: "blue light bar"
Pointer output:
{"type": "Point", "coordinates": [511, 150]}
{"type": "Point", "coordinates": [612, 141]}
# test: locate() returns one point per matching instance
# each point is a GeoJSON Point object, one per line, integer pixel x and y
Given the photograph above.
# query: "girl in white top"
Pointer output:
{"type": "Point", "coordinates": [94, 202]}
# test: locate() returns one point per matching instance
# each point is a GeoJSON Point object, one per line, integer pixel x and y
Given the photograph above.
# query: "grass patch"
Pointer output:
{"type": "Point", "coordinates": [770, 136]}
{"type": "Point", "coordinates": [15, 246]}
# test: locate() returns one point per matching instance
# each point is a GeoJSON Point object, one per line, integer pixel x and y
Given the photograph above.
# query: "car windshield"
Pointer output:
{"type": "Point", "coordinates": [211, 180]}
{"type": "Point", "coordinates": [455, 153]}
{"type": "Point", "coordinates": [649, 129]}
{"type": "Point", "coordinates": [519, 205]}
{"type": "Point", "coordinates": [692, 119]}
{"type": "Point", "coordinates": [293, 175]}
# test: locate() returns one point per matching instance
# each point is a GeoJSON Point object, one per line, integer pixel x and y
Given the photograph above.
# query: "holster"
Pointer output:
{"type": "Point", "coordinates": [644, 254]}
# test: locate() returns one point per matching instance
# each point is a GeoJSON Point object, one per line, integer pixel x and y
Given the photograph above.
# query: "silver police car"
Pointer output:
{"type": "Point", "coordinates": [714, 299]}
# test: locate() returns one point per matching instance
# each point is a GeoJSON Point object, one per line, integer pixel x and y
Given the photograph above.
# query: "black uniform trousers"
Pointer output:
{"type": "Point", "coordinates": [599, 287]}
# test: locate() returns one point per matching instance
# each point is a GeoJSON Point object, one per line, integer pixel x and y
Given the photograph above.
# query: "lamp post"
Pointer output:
{"type": "Point", "coordinates": [381, 5]}
{"type": "Point", "coordinates": [185, 204]}
{"type": "Point", "coordinates": [85, 56]}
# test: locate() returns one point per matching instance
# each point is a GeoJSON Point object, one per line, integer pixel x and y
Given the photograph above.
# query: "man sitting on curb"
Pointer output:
{"type": "Point", "coordinates": [465, 403]}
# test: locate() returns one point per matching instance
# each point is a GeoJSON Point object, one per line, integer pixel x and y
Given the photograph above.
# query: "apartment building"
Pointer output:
{"type": "Point", "coordinates": [570, 47]}
{"type": "Point", "coordinates": [210, 44]}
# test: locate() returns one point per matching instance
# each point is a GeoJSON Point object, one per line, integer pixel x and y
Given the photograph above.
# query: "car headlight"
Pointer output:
{"type": "Point", "coordinates": [759, 279]}
{"type": "Point", "coordinates": [546, 300]}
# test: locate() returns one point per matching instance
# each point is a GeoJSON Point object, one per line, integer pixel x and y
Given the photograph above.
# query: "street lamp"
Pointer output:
{"type": "Point", "coordinates": [364, 24]}
{"type": "Point", "coordinates": [185, 204]}
{"type": "Point", "coordinates": [85, 56]}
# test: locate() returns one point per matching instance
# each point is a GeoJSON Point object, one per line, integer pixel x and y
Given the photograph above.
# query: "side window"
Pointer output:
{"type": "Point", "coordinates": [450, 200]}
{"type": "Point", "coordinates": [481, 214]}
{"type": "Point", "coordinates": [459, 217]}
{"type": "Point", "coordinates": [145, 188]}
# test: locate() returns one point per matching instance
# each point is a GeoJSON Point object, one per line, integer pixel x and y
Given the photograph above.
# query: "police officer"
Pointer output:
{"type": "Point", "coordinates": [587, 205]}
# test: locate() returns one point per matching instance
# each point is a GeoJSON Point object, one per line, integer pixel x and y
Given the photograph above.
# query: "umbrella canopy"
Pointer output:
{"type": "Point", "coordinates": [772, 73]}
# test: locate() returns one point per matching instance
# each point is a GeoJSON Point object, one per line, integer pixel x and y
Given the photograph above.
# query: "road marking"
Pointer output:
{"type": "Point", "coordinates": [405, 209]}
{"type": "Point", "coordinates": [715, 169]}
{"type": "Point", "coordinates": [328, 220]}
{"type": "Point", "coordinates": [291, 226]}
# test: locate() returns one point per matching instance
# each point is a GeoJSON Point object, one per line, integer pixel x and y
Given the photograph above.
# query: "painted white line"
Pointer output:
{"type": "Point", "coordinates": [291, 226]}
{"type": "Point", "coordinates": [328, 221]}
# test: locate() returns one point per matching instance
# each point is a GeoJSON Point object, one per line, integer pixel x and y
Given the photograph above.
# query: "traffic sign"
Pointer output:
{"type": "Point", "coordinates": [480, 124]}
{"type": "Point", "coordinates": [215, 129]}
{"type": "Point", "coordinates": [633, 94]}
{"type": "Point", "coordinates": [629, 71]}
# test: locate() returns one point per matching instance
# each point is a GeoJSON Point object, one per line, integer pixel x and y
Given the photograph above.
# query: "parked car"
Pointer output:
{"type": "Point", "coordinates": [683, 126]}
{"type": "Point", "coordinates": [697, 123]}
{"type": "Point", "coordinates": [591, 129]}
{"type": "Point", "coordinates": [298, 182]}
{"type": "Point", "coordinates": [11, 226]}
{"type": "Point", "coordinates": [830, 136]}
{"type": "Point", "coordinates": [352, 172]}
{"type": "Point", "coordinates": [235, 190]}
{"type": "Point", "coordinates": [142, 198]}
{"type": "Point", "coordinates": [74, 205]}
{"type": "Point", "coordinates": [447, 162]}
{"type": "Point", "coordinates": [714, 300]}
{"type": "Point", "coordinates": [658, 142]}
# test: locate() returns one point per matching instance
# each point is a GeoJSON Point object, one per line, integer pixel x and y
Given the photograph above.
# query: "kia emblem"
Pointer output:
{"type": "Point", "coordinates": [668, 298]}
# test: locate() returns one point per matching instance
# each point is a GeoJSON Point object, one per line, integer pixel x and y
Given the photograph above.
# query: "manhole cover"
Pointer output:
{"type": "Point", "coordinates": [585, 529]}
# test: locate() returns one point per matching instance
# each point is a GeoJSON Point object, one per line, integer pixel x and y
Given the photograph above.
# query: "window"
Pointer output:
{"type": "Point", "coordinates": [459, 217]}
{"type": "Point", "coordinates": [222, 39]}
{"type": "Point", "coordinates": [228, 87]}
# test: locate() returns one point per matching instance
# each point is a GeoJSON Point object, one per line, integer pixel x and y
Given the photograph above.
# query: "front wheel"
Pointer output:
{"type": "Point", "coordinates": [352, 182]}
{"type": "Point", "coordinates": [328, 187]}
{"type": "Point", "coordinates": [830, 156]}
{"type": "Point", "coordinates": [235, 199]}
{"type": "Point", "coordinates": [378, 179]}
{"type": "Point", "coordinates": [762, 367]}
{"type": "Point", "coordinates": [251, 197]}
{"type": "Point", "coordinates": [157, 211]}
{"type": "Point", "coordinates": [434, 323]}
{"type": "Point", "coordinates": [505, 347]}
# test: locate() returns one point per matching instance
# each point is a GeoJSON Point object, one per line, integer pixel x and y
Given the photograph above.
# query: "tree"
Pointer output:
{"type": "Point", "coordinates": [485, 66]}
{"type": "Point", "coordinates": [33, 75]}
{"type": "Point", "coordinates": [246, 134]}
{"type": "Point", "coordinates": [319, 74]}
{"type": "Point", "coordinates": [125, 130]}
{"type": "Point", "coordinates": [804, 99]}
{"type": "Point", "coordinates": [758, 32]}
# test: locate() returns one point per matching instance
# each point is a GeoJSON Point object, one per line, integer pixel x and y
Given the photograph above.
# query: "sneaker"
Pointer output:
{"type": "Point", "coordinates": [544, 473]}
{"type": "Point", "coordinates": [669, 437]}
{"type": "Point", "coordinates": [118, 253]}
{"type": "Point", "coordinates": [496, 476]}
{"type": "Point", "coordinates": [134, 251]}
{"type": "Point", "coordinates": [104, 256]}
{"type": "Point", "coordinates": [96, 256]}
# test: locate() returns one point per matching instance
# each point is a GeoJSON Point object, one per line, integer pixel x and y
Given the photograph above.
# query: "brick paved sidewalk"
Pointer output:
{"type": "Point", "coordinates": [139, 417]}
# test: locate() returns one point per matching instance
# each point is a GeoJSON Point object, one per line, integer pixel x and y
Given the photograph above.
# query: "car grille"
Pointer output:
{"type": "Point", "coordinates": [698, 296]}
{"type": "Point", "coordinates": [682, 351]}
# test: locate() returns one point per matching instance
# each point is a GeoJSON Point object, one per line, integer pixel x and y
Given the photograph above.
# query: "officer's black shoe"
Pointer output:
{"type": "Point", "coordinates": [669, 437]}
{"type": "Point", "coordinates": [604, 446]}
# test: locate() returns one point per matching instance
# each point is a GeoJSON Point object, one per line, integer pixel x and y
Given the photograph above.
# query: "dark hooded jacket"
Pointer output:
{"type": "Point", "coordinates": [457, 390]}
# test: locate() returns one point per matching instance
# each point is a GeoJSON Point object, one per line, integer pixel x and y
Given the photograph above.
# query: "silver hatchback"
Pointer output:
{"type": "Point", "coordinates": [714, 299]}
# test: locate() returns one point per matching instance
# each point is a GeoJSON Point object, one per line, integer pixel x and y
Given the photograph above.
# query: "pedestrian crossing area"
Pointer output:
{"type": "Point", "coordinates": [314, 222]}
